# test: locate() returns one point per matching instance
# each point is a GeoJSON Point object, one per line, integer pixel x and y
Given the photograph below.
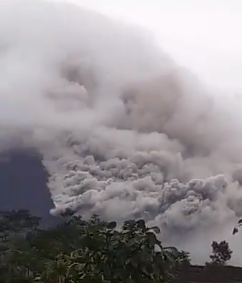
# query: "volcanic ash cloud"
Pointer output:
{"type": "Point", "coordinates": [124, 132]}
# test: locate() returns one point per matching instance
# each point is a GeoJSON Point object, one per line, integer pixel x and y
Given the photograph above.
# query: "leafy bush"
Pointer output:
{"type": "Point", "coordinates": [84, 251]}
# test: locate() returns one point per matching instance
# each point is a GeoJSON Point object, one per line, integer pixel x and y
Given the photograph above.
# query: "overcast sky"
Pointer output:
{"type": "Point", "coordinates": [204, 35]}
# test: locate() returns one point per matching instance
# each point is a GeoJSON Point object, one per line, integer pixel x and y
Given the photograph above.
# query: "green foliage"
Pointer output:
{"type": "Point", "coordinates": [221, 253]}
{"type": "Point", "coordinates": [84, 251]}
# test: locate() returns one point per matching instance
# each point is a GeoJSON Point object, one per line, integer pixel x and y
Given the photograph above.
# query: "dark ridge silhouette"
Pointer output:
{"type": "Point", "coordinates": [208, 274]}
{"type": "Point", "coordinates": [23, 183]}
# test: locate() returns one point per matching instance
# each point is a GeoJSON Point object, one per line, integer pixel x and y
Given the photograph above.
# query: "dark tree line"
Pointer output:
{"type": "Point", "coordinates": [82, 251]}
{"type": "Point", "coordinates": [92, 251]}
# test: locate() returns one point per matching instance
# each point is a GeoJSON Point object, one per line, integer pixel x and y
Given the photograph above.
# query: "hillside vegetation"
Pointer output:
{"type": "Point", "coordinates": [77, 250]}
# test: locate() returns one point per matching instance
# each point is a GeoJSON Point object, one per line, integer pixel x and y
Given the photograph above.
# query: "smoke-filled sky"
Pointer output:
{"type": "Point", "coordinates": [203, 35]}
{"type": "Point", "coordinates": [125, 131]}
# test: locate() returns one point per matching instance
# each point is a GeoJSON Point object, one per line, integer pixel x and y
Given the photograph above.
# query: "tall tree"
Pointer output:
{"type": "Point", "coordinates": [221, 253]}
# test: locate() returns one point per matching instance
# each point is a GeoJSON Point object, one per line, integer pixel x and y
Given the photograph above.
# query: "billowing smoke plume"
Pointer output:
{"type": "Point", "coordinates": [123, 131]}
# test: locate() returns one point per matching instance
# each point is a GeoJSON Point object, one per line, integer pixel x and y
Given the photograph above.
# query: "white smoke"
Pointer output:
{"type": "Point", "coordinates": [124, 132]}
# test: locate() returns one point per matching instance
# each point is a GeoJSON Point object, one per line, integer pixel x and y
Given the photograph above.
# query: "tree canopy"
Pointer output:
{"type": "Point", "coordinates": [78, 250]}
{"type": "Point", "coordinates": [221, 253]}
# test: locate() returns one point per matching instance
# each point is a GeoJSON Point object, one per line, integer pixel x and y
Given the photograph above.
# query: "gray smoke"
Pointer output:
{"type": "Point", "coordinates": [124, 132]}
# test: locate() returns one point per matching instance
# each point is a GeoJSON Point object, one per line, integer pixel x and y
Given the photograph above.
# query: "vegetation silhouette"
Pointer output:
{"type": "Point", "coordinates": [78, 250]}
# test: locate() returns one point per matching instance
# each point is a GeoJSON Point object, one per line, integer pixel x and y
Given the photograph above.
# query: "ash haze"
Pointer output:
{"type": "Point", "coordinates": [202, 35]}
{"type": "Point", "coordinates": [124, 132]}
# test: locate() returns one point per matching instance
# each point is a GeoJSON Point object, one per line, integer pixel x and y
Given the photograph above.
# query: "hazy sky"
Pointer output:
{"type": "Point", "coordinates": [201, 34]}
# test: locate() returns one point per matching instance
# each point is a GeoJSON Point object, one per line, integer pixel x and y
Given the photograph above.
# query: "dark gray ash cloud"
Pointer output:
{"type": "Point", "coordinates": [123, 131]}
